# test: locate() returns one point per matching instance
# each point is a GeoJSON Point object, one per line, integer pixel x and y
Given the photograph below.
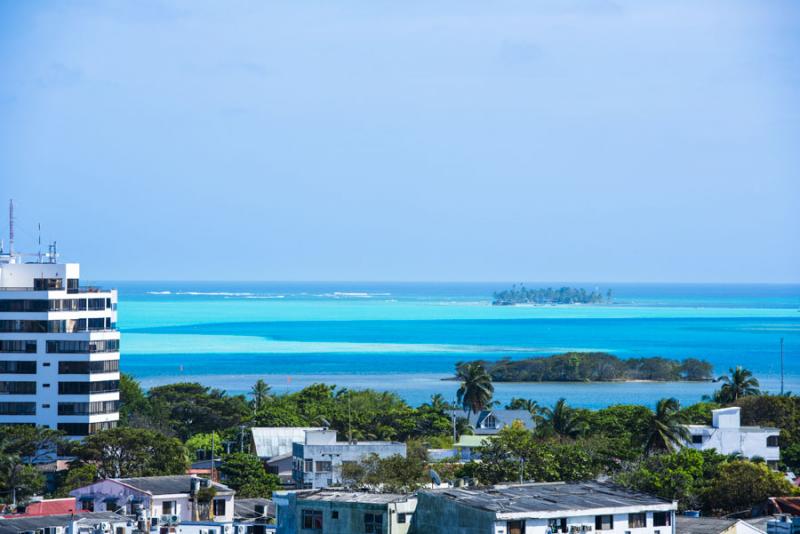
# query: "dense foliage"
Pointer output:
{"type": "Point", "coordinates": [592, 367]}
{"type": "Point", "coordinates": [245, 473]}
{"type": "Point", "coordinates": [564, 295]}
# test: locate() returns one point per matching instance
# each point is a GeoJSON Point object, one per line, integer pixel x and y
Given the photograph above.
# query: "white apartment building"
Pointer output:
{"type": "Point", "coordinates": [318, 460]}
{"type": "Point", "coordinates": [726, 435]}
{"type": "Point", "coordinates": [59, 348]}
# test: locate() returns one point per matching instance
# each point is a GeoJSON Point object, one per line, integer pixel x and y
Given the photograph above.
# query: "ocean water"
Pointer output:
{"type": "Point", "coordinates": [407, 338]}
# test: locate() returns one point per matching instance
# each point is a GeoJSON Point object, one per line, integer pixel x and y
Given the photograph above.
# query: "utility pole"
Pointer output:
{"type": "Point", "coordinates": [781, 366]}
{"type": "Point", "coordinates": [213, 443]}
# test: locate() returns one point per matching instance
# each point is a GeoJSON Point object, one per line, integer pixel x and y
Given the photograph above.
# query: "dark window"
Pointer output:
{"type": "Point", "coordinates": [312, 519]}
{"type": "Point", "coordinates": [772, 441]}
{"type": "Point", "coordinates": [88, 368]}
{"type": "Point", "coordinates": [637, 520]}
{"type": "Point", "coordinates": [697, 438]}
{"type": "Point", "coordinates": [87, 505]}
{"type": "Point", "coordinates": [335, 514]}
{"type": "Point", "coordinates": [45, 364]}
{"type": "Point", "coordinates": [308, 466]}
{"type": "Point", "coordinates": [402, 518]}
{"type": "Point", "coordinates": [84, 429]}
{"type": "Point", "coordinates": [513, 527]}
{"type": "Point", "coordinates": [557, 524]}
{"type": "Point", "coordinates": [73, 285]}
{"type": "Point", "coordinates": [79, 347]}
{"type": "Point", "coordinates": [373, 523]}
{"type": "Point", "coordinates": [17, 388]}
{"type": "Point", "coordinates": [167, 507]}
{"type": "Point", "coordinates": [604, 522]}
{"type": "Point", "coordinates": [46, 284]}
{"type": "Point", "coordinates": [323, 467]}
{"type": "Point", "coordinates": [19, 305]}
{"type": "Point", "coordinates": [17, 408]}
{"type": "Point", "coordinates": [88, 408]}
{"type": "Point", "coordinates": [22, 346]}
{"type": "Point", "coordinates": [85, 388]}
{"type": "Point", "coordinates": [661, 519]}
{"type": "Point", "coordinates": [17, 368]}
{"type": "Point", "coordinates": [219, 507]}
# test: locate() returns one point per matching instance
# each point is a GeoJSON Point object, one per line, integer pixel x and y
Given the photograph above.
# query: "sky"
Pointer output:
{"type": "Point", "coordinates": [640, 141]}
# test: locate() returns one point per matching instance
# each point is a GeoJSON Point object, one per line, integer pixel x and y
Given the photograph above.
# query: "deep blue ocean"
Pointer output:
{"type": "Point", "coordinates": [407, 337]}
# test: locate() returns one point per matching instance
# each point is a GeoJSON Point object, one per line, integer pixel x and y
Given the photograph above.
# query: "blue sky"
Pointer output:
{"type": "Point", "coordinates": [549, 140]}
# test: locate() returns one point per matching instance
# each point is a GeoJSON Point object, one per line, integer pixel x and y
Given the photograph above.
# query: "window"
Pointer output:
{"type": "Point", "coordinates": [490, 422]}
{"type": "Point", "coordinates": [373, 523]}
{"type": "Point", "coordinates": [697, 438]}
{"type": "Point", "coordinates": [88, 368]}
{"type": "Point", "coordinates": [557, 524]}
{"type": "Point", "coordinates": [46, 284]}
{"type": "Point", "coordinates": [401, 518]}
{"type": "Point", "coordinates": [772, 441]}
{"type": "Point", "coordinates": [515, 527]}
{"type": "Point", "coordinates": [637, 520]}
{"type": "Point", "coordinates": [335, 514]}
{"type": "Point", "coordinates": [17, 408]}
{"type": "Point", "coordinates": [73, 285]}
{"type": "Point", "coordinates": [308, 466]}
{"type": "Point", "coordinates": [323, 467]}
{"type": "Point", "coordinates": [84, 429]}
{"type": "Point", "coordinates": [17, 388]}
{"type": "Point", "coordinates": [78, 347]}
{"type": "Point", "coordinates": [17, 368]}
{"type": "Point", "coordinates": [312, 519]}
{"type": "Point", "coordinates": [661, 519]}
{"type": "Point", "coordinates": [88, 408]}
{"type": "Point", "coordinates": [85, 388]}
{"type": "Point", "coordinates": [604, 522]}
{"type": "Point", "coordinates": [23, 346]}
{"type": "Point", "coordinates": [219, 507]}
{"type": "Point", "coordinates": [87, 505]}
{"type": "Point", "coordinates": [168, 508]}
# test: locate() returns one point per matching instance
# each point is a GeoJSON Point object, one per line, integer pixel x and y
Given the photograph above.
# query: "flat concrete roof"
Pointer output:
{"type": "Point", "coordinates": [548, 497]}
{"type": "Point", "coordinates": [352, 496]}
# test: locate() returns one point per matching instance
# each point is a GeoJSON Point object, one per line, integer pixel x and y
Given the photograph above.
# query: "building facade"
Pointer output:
{"type": "Point", "coordinates": [156, 501]}
{"type": "Point", "coordinates": [317, 461]}
{"type": "Point", "coordinates": [343, 512]}
{"type": "Point", "coordinates": [542, 508]}
{"type": "Point", "coordinates": [59, 348]}
{"type": "Point", "coordinates": [726, 435]}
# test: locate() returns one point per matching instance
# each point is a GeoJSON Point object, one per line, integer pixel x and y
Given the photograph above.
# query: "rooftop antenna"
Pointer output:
{"type": "Point", "coordinates": [781, 366]}
{"type": "Point", "coordinates": [11, 227]}
{"type": "Point", "coordinates": [39, 226]}
{"type": "Point", "coordinates": [349, 417]}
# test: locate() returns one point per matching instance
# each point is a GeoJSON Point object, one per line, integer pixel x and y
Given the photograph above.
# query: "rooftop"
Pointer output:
{"type": "Point", "coordinates": [25, 524]}
{"type": "Point", "coordinates": [702, 525]}
{"type": "Point", "coordinates": [328, 495]}
{"type": "Point", "coordinates": [745, 429]}
{"type": "Point", "coordinates": [277, 440]}
{"type": "Point", "coordinates": [548, 497]}
{"type": "Point", "coordinates": [247, 508]}
{"type": "Point", "coordinates": [166, 485]}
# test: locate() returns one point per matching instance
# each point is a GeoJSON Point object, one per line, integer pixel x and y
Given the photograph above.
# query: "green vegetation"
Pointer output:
{"type": "Point", "coordinates": [565, 295]}
{"type": "Point", "coordinates": [636, 446]}
{"type": "Point", "coordinates": [476, 387]}
{"type": "Point", "coordinates": [592, 367]}
{"type": "Point", "coordinates": [245, 473]}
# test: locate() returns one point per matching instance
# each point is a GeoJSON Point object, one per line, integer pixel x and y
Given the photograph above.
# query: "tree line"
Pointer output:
{"type": "Point", "coordinates": [594, 367]}
{"type": "Point", "coordinates": [564, 295]}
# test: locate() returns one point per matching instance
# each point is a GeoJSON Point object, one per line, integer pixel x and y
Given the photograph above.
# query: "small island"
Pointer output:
{"type": "Point", "coordinates": [595, 367]}
{"type": "Point", "coordinates": [541, 296]}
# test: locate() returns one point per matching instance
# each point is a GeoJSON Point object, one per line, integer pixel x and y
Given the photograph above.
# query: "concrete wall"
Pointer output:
{"type": "Point", "coordinates": [336, 454]}
{"type": "Point", "coordinates": [350, 515]}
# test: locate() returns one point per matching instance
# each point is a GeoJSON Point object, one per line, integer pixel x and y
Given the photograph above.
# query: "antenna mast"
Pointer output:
{"type": "Point", "coordinates": [11, 227]}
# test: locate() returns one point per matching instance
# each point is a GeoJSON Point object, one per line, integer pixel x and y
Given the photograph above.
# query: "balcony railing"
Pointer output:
{"type": "Point", "coordinates": [84, 289]}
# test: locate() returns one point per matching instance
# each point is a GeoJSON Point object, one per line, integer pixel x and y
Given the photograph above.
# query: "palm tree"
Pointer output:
{"type": "Point", "coordinates": [437, 403]}
{"type": "Point", "coordinates": [476, 388]}
{"type": "Point", "coordinates": [666, 429]}
{"type": "Point", "coordinates": [740, 383]}
{"type": "Point", "coordinates": [563, 420]}
{"type": "Point", "coordinates": [260, 393]}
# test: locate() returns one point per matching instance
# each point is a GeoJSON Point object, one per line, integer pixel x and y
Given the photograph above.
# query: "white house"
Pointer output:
{"type": "Point", "coordinates": [86, 523]}
{"type": "Point", "coordinates": [158, 500]}
{"type": "Point", "coordinates": [543, 508]}
{"type": "Point", "coordinates": [318, 460]}
{"type": "Point", "coordinates": [491, 421]}
{"type": "Point", "coordinates": [726, 435]}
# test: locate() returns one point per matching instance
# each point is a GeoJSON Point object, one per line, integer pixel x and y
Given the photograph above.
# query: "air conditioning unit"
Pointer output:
{"type": "Point", "coordinates": [174, 519]}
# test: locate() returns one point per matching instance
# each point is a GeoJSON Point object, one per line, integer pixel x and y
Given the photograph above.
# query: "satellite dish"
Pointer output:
{"type": "Point", "coordinates": [435, 478]}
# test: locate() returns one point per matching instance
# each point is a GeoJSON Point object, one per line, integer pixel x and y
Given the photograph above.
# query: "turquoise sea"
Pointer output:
{"type": "Point", "coordinates": [407, 337]}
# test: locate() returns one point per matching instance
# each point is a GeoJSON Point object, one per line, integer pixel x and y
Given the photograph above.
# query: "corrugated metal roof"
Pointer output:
{"type": "Point", "coordinates": [277, 440]}
{"type": "Point", "coordinates": [547, 497]}
{"type": "Point", "coordinates": [166, 485]}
